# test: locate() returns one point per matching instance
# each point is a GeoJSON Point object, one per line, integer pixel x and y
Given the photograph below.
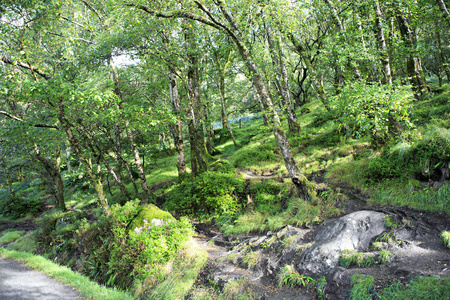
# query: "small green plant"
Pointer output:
{"type": "Point", "coordinates": [384, 256]}
{"type": "Point", "coordinates": [445, 236]}
{"type": "Point", "coordinates": [321, 283]}
{"type": "Point", "coordinates": [346, 259]}
{"type": "Point", "coordinates": [361, 286]}
{"type": "Point", "coordinates": [288, 276]}
{"type": "Point", "coordinates": [289, 241]}
{"type": "Point", "coordinates": [251, 258]}
{"type": "Point", "coordinates": [239, 289]}
{"type": "Point", "coordinates": [389, 222]}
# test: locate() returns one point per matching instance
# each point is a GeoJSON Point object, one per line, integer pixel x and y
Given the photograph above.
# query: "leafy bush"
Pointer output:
{"type": "Point", "coordinates": [107, 251]}
{"type": "Point", "coordinates": [207, 193]}
{"type": "Point", "coordinates": [14, 206]}
{"type": "Point", "coordinates": [377, 111]}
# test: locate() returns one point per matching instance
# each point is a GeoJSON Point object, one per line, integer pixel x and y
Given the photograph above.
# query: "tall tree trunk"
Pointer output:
{"type": "Point", "coordinates": [444, 62]}
{"type": "Point", "coordinates": [314, 76]}
{"type": "Point", "coordinates": [93, 172]}
{"type": "Point", "coordinates": [148, 195]}
{"type": "Point", "coordinates": [305, 187]}
{"type": "Point", "coordinates": [55, 177]}
{"type": "Point", "coordinates": [261, 106]}
{"type": "Point", "coordinates": [198, 147]}
{"type": "Point", "coordinates": [176, 127]}
{"type": "Point", "coordinates": [341, 31]}
{"type": "Point", "coordinates": [385, 61]}
{"type": "Point", "coordinates": [222, 68]}
{"type": "Point", "coordinates": [413, 64]}
{"type": "Point", "coordinates": [281, 77]}
{"type": "Point", "coordinates": [444, 11]}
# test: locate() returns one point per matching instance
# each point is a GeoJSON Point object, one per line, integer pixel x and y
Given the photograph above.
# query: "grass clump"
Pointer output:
{"type": "Point", "coordinates": [384, 256]}
{"type": "Point", "coordinates": [288, 276]}
{"type": "Point", "coordinates": [239, 289]}
{"type": "Point", "coordinates": [349, 258]}
{"type": "Point", "coordinates": [418, 288]}
{"type": "Point", "coordinates": [9, 236]}
{"type": "Point", "coordinates": [251, 259]}
{"type": "Point", "coordinates": [25, 243]}
{"type": "Point", "coordinates": [445, 237]}
{"type": "Point", "coordinates": [361, 286]}
{"type": "Point", "coordinates": [298, 212]}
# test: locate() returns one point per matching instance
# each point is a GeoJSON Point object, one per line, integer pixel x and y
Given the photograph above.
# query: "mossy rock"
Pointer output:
{"type": "Point", "coordinates": [148, 213]}
{"type": "Point", "coordinates": [222, 166]}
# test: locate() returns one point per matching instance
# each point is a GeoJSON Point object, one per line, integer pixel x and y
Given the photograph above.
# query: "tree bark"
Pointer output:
{"type": "Point", "coordinates": [385, 61]}
{"type": "Point", "coordinates": [414, 63]}
{"type": "Point", "coordinates": [281, 78]}
{"type": "Point", "coordinates": [176, 127]}
{"type": "Point", "coordinates": [198, 147]}
{"type": "Point", "coordinates": [94, 174]}
{"type": "Point", "coordinates": [55, 177]}
{"type": "Point", "coordinates": [444, 11]}
{"type": "Point", "coordinates": [341, 31]}
{"type": "Point", "coordinates": [222, 68]}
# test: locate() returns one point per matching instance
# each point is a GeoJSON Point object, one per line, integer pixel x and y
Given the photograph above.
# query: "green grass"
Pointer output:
{"type": "Point", "coordinates": [361, 286]}
{"type": "Point", "coordinates": [182, 272]}
{"type": "Point", "coordinates": [11, 235]}
{"type": "Point", "coordinates": [25, 243]}
{"type": "Point", "coordinates": [399, 193]}
{"type": "Point", "coordinates": [81, 283]}
{"type": "Point", "coordinates": [289, 277]}
{"type": "Point", "coordinates": [419, 288]}
{"type": "Point", "coordinates": [239, 289]}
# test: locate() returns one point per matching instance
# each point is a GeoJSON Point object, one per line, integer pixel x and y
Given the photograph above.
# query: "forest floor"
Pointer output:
{"type": "Point", "coordinates": [415, 246]}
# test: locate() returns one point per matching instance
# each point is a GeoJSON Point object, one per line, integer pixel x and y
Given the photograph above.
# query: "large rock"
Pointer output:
{"type": "Point", "coordinates": [150, 216]}
{"type": "Point", "coordinates": [351, 232]}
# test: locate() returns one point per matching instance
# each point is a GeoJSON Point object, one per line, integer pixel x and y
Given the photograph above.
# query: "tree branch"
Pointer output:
{"type": "Point", "coordinates": [2, 112]}
{"type": "Point", "coordinates": [175, 15]}
{"type": "Point", "coordinates": [32, 68]}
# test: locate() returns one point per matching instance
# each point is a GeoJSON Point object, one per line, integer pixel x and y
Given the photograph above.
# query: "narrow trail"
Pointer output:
{"type": "Point", "coordinates": [225, 264]}
{"type": "Point", "coordinates": [18, 282]}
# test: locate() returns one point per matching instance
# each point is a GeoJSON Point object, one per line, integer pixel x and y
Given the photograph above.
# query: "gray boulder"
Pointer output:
{"type": "Point", "coordinates": [351, 232]}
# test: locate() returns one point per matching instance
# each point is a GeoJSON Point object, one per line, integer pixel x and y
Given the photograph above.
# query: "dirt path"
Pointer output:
{"type": "Point", "coordinates": [18, 282]}
{"type": "Point", "coordinates": [225, 264]}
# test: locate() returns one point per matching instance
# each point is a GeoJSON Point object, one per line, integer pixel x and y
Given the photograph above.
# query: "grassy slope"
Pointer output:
{"type": "Point", "coordinates": [320, 146]}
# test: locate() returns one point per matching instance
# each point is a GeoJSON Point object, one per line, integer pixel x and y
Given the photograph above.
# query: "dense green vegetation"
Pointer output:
{"type": "Point", "coordinates": [122, 123]}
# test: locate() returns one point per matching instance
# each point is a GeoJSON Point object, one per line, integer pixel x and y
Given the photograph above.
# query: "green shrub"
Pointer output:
{"type": "Point", "coordinates": [107, 251]}
{"type": "Point", "coordinates": [377, 111]}
{"type": "Point", "coordinates": [15, 206]}
{"type": "Point", "coordinates": [210, 192]}
{"type": "Point", "coordinates": [384, 256]}
{"type": "Point", "coordinates": [257, 155]}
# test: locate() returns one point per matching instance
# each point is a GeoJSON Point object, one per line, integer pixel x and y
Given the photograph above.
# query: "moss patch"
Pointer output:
{"type": "Point", "coordinates": [148, 213]}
